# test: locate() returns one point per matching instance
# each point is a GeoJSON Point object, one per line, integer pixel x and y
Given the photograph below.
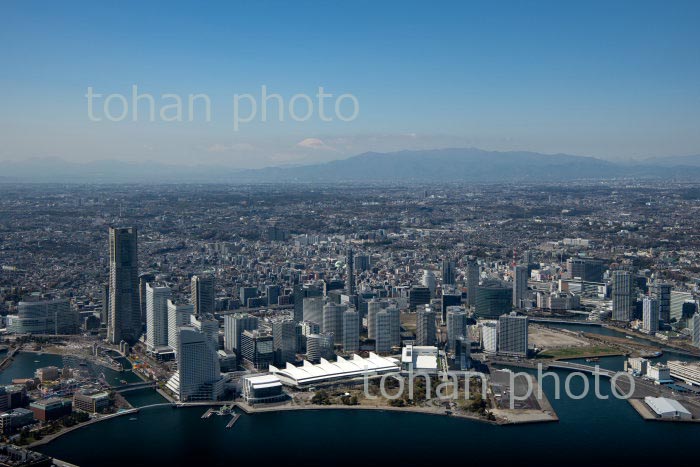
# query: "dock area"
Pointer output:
{"type": "Point", "coordinates": [208, 413]}
{"type": "Point", "coordinates": [233, 420]}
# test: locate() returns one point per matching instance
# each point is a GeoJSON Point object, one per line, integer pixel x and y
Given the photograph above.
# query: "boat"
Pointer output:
{"type": "Point", "coordinates": [593, 359]}
{"type": "Point", "coordinates": [133, 418]}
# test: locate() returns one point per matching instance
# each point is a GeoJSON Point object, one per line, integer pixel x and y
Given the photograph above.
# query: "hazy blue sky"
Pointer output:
{"type": "Point", "coordinates": [608, 79]}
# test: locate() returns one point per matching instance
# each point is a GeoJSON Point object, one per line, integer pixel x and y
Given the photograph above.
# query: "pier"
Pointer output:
{"type": "Point", "coordinates": [233, 420]}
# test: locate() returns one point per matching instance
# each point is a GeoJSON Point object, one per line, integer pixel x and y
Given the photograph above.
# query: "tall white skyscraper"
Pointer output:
{"type": "Point", "coordinates": [209, 326]}
{"type": "Point", "coordinates": [333, 320]}
{"type": "Point", "coordinates": [387, 329]}
{"type": "Point", "coordinates": [198, 375]}
{"type": "Point", "coordinates": [234, 325]}
{"type": "Point", "coordinates": [519, 285]}
{"type": "Point", "coordinates": [650, 315]}
{"type": "Point", "coordinates": [178, 315]}
{"type": "Point", "coordinates": [373, 307]}
{"type": "Point", "coordinates": [428, 280]}
{"type": "Point", "coordinates": [156, 316]}
{"type": "Point", "coordinates": [351, 331]}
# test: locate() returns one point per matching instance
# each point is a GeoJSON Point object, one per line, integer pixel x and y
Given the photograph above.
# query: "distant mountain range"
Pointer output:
{"type": "Point", "coordinates": [451, 165]}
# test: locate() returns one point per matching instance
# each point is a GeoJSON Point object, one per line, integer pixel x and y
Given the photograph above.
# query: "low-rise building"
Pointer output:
{"type": "Point", "coordinates": [91, 401]}
{"type": "Point", "coordinates": [262, 389]}
{"type": "Point", "coordinates": [51, 409]}
{"type": "Point", "coordinates": [15, 419]}
{"type": "Point", "coordinates": [664, 407]}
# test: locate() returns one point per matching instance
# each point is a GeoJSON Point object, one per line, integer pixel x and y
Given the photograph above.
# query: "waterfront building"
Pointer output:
{"type": "Point", "coordinates": [676, 301]}
{"type": "Point", "coordinates": [124, 300]}
{"type": "Point", "coordinates": [489, 336]}
{"type": "Point", "coordinates": [622, 296]}
{"type": "Point", "coordinates": [198, 375]}
{"type": "Point", "coordinates": [650, 311]}
{"type": "Point", "coordinates": [178, 315]}
{"type": "Point", "coordinates": [354, 368]}
{"type": "Point", "coordinates": [50, 409]}
{"type": "Point", "coordinates": [420, 358]}
{"type": "Point", "coordinates": [512, 335]}
{"type": "Point", "coordinates": [662, 292]}
{"type": "Point", "coordinates": [689, 372]}
{"type": "Point", "coordinates": [91, 401]}
{"type": "Point", "coordinates": [426, 333]}
{"type": "Point", "coordinates": [15, 419]}
{"type": "Point", "coordinates": [259, 389]}
{"type": "Point", "coordinates": [44, 317]}
{"type": "Point", "coordinates": [156, 316]}
{"type": "Point", "coordinates": [668, 408]}
{"type": "Point", "coordinates": [202, 294]}
{"type": "Point", "coordinates": [234, 325]}
{"type": "Point", "coordinates": [696, 329]}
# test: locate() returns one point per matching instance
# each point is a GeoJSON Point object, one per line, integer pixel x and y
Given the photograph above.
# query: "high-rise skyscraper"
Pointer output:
{"type": "Point", "coordinates": [156, 316]}
{"type": "Point", "coordinates": [124, 300]}
{"type": "Point", "coordinates": [428, 280]}
{"type": "Point", "coordinates": [449, 298]}
{"type": "Point", "coordinates": [351, 331]}
{"type": "Point", "coordinates": [456, 326]}
{"type": "Point", "coordinates": [285, 341]}
{"type": "Point", "coordinates": [472, 277]}
{"type": "Point", "coordinates": [198, 375]}
{"type": "Point", "coordinates": [209, 325]}
{"type": "Point", "coordinates": [144, 279]}
{"type": "Point", "coordinates": [202, 294]}
{"type": "Point", "coordinates": [519, 286]}
{"type": "Point", "coordinates": [333, 320]}
{"type": "Point", "coordinates": [622, 296]}
{"type": "Point", "coordinates": [448, 272]}
{"type": "Point", "coordinates": [662, 292]}
{"type": "Point", "coordinates": [374, 306]}
{"type": "Point", "coordinates": [650, 310]}
{"type": "Point", "coordinates": [178, 315]}
{"type": "Point", "coordinates": [695, 326]}
{"type": "Point", "coordinates": [272, 292]}
{"type": "Point", "coordinates": [425, 327]}
{"type": "Point", "coordinates": [313, 310]}
{"type": "Point", "coordinates": [350, 279]}
{"type": "Point", "coordinates": [493, 300]}
{"type": "Point", "coordinates": [234, 325]}
{"type": "Point", "coordinates": [512, 335]}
